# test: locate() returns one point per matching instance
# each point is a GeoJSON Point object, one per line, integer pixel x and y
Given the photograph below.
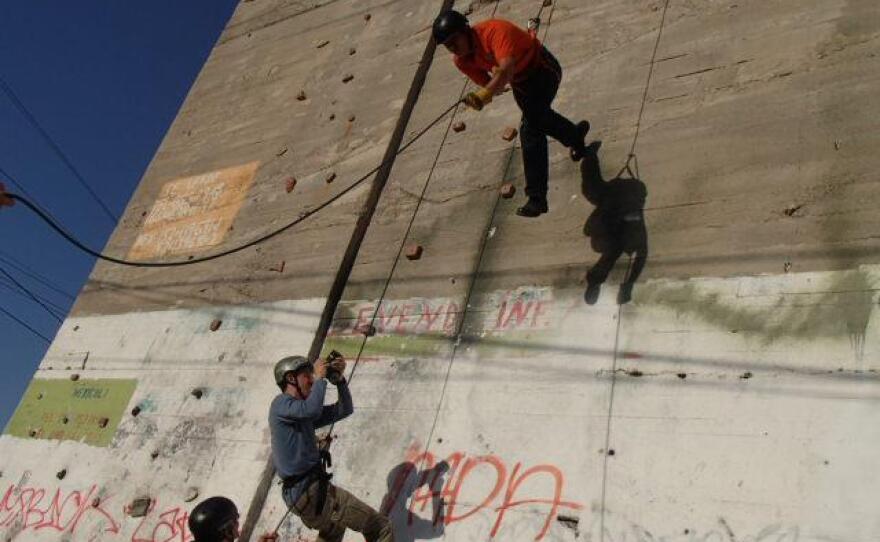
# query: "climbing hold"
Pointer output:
{"type": "Point", "coordinates": [278, 268]}
{"type": "Point", "coordinates": [332, 116]}
{"type": "Point", "coordinates": [139, 507]}
{"type": "Point", "coordinates": [96, 502]}
{"type": "Point", "coordinates": [191, 494]}
{"type": "Point", "coordinates": [414, 252]}
{"type": "Point", "coordinates": [61, 474]}
{"type": "Point", "coordinates": [369, 331]}
{"type": "Point", "coordinates": [215, 324]}
{"type": "Point", "coordinates": [352, 51]}
{"type": "Point", "coordinates": [509, 133]}
{"type": "Point", "coordinates": [301, 96]}
{"type": "Point", "coordinates": [74, 377]}
{"type": "Point", "coordinates": [34, 432]}
{"type": "Point", "coordinates": [348, 77]}
{"type": "Point", "coordinates": [282, 152]}
{"type": "Point", "coordinates": [330, 177]}
{"type": "Point", "coordinates": [548, 3]}
{"type": "Point", "coordinates": [792, 209]}
{"type": "Point", "coordinates": [290, 184]}
{"type": "Point", "coordinates": [507, 190]}
{"type": "Point", "coordinates": [321, 43]}
{"type": "Point", "coordinates": [103, 422]}
{"type": "Point", "coordinates": [746, 375]}
{"type": "Point", "coordinates": [197, 393]}
{"type": "Point", "coordinates": [459, 126]}
{"type": "Point", "coordinates": [611, 451]}
{"type": "Point", "coordinates": [682, 375]}
{"type": "Point", "coordinates": [154, 454]}
{"type": "Point", "coordinates": [135, 411]}
{"type": "Point", "coordinates": [351, 118]}
{"type": "Point", "coordinates": [367, 16]}
{"type": "Point", "coordinates": [65, 420]}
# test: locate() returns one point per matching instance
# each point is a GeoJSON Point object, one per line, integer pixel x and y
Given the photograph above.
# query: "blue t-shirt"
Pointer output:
{"type": "Point", "coordinates": [293, 422]}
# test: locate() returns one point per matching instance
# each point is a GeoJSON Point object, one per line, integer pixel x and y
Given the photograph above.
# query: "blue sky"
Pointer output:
{"type": "Point", "coordinates": [105, 80]}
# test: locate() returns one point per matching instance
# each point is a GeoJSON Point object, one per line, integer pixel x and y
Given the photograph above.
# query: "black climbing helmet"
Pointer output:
{"type": "Point", "coordinates": [447, 24]}
{"type": "Point", "coordinates": [212, 520]}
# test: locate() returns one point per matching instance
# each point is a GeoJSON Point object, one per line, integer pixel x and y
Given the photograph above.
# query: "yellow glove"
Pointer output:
{"type": "Point", "coordinates": [478, 99]}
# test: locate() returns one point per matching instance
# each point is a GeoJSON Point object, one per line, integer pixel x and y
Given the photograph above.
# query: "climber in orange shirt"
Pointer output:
{"type": "Point", "coordinates": [496, 53]}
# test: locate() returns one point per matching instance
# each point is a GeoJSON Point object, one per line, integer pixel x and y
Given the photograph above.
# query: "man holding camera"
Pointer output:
{"type": "Point", "coordinates": [293, 417]}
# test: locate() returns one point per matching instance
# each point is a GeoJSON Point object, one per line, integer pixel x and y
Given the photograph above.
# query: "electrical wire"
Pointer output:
{"type": "Point", "coordinates": [4, 86]}
{"type": "Point", "coordinates": [34, 275]}
{"type": "Point", "coordinates": [81, 246]}
{"type": "Point", "coordinates": [24, 324]}
{"type": "Point", "coordinates": [57, 310]}
{"type": "Point", "coordinates": [7, 176]}
{"type": "Point", "coordinates": [30, 294]}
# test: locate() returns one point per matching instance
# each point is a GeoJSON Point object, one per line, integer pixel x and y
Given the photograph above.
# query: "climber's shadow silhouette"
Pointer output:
{"type": "Point", "coordinates": [615, 226]}
{"type": "Point", "coordinates": [403, 481]}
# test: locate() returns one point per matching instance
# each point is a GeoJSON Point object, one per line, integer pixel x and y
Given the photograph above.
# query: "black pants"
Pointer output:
{"type": "Point", "coordinates": [534, 95]}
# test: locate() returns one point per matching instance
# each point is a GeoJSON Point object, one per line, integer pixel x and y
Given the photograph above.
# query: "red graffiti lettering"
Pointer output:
{"type": "Point", "coordinates": [400, 318]}
{"type": "Point", "coordinates": [517, 310]}
{"type": "Point", "coordinates": [449, 322]}
{"type": "Point", "coordinates": [172, 523]}
{"type": "Point", "coordinates": [514, 483]}
{"type": "Point", "coordinates": [53, 517]}
{"type": "Point", "coordinates": [31, 509]}
{"type": "Point", "coordinates": [518, 313]}
{"type": "Point", "coordinates": [457, 469]}
{"type": "Point", "coordinates": [429, 317]}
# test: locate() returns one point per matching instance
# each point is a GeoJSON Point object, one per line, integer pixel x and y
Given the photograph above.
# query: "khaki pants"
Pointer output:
{"type": "Point", "coordinates": [342, 511]}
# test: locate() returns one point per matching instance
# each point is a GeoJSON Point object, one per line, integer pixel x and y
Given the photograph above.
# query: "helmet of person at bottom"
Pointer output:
{"type": "Point", "coordinates": [213, 520]}
{"type": "Point", "coordinates": [289, 364]}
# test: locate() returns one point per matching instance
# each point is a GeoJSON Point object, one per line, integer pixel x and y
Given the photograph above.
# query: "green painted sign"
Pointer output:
{"type": "Point", "coordinates": [83, 410]}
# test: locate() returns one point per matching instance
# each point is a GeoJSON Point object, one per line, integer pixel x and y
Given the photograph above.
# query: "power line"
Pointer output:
{"type": "Point", "coordinates": [304, 215]}
{"type": "Point", "coordinates": [58, 152]}
{"type": "Point", "coordinates": [34, 275]}
{"type": "Point", "coordinates": [24, 324]}
{"type": "Point", "coordinates": [7, 176]}
{"type": "Point", "coordinates": [29, 294]}
{"type": "Point", "coordinates": [57, 310]}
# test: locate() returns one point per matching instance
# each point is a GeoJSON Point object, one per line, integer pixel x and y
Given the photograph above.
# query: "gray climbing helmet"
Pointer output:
{"type": "Point", "coordinates": [289, 364]}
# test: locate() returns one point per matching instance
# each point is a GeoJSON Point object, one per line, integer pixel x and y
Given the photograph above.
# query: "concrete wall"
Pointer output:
{"type": "Point", "coordinates": [732, 399]}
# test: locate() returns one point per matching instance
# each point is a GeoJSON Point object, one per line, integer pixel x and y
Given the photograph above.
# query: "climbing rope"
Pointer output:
{"type": "Point", "coordinates": [370, 329]}
{"type": "Point", "coordinates": [52, 223]}
{"type": "Point", "coordinates": [632, 149]}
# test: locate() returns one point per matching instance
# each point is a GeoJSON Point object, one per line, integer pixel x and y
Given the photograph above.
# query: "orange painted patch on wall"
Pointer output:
{"type": "Point", "coordinates": [193, 213]}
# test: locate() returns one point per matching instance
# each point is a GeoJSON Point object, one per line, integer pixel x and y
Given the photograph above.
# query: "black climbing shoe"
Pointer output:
{"type": "Point", "coordinates": [625, 294]}
{"type": "Point", "coordinates": [577, 152]}
{"type": "Point", "coordinates": [591, 295]}
{"type": "Point", "coordinates": [534, 207]}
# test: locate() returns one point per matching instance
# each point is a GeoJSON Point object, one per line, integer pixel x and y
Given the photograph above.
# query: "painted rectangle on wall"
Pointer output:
{"type": "Point", "coordinates": [84, 410]}
{"type": "Point", "coordinates": [194, 212]}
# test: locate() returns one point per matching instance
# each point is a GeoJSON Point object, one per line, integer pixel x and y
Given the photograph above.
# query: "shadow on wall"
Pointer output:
{"type": "Point", "coordinates": [404, 480]}
{"type": "Point", "coordinates": [615, 226]}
